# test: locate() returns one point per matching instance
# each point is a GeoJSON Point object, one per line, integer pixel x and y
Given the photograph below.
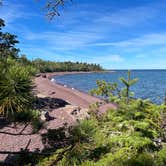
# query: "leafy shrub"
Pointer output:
{"type": "Point", "coordinates": [32, 70]}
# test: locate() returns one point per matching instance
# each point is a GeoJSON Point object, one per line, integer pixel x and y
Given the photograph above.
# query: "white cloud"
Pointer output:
{"type": "Point", "coordinates": [108, 59]}
{"type": "Point", "coordinates": [115, 58]}
{"type": "Point", "coordinates": [82, 34]}
{"type": "Point", "coordinates": [68, 40]}
{"type": "Point", "coordinates": [130, 16]}
{"type": "Point", "coordinates": [153, 39]}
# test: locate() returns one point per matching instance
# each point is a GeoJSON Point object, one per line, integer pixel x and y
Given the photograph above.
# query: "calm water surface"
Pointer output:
{"type": "Point", "coordinates": [151, 84]}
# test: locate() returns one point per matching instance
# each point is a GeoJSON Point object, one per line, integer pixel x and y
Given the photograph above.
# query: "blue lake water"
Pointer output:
{"type": "Point", "coordinates": [151, 84]}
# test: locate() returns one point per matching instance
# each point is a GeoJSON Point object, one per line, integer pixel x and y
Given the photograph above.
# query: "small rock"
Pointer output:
{"type": "Point", "coordinates": [45, 116]}
{"type": "Point", "coordinates": [44, 76]}
{"type": "Point", "coordinates": [52, 93]}
{"type": "Point", "coordinates": [42, 116]}
{"type": "Point", "coordinates": [157, 142]}
{"type": "Point", "coordinates": [75, 111]}
{"type": "Point", "coordinates": [38, 75]}
{"type": "Point", "coordinates": [39, 95]}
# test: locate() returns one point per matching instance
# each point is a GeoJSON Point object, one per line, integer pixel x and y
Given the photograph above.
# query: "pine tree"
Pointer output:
{"type": "Point", "coordinates": [128, 83]}
{"type": "Point", "coordinates": [7, 43]}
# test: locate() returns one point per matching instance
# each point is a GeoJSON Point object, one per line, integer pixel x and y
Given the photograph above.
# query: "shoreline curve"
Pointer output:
{"type": "Point", "coordinates": [46, 87]}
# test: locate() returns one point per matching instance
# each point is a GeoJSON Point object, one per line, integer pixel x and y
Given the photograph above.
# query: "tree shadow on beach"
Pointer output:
{"type": "Point", "coordinates": [55, 138]}
{"type": "Point", "coordinates": [51, 139]}
{"type": "Point", "coordinates": [48, 103]}
{"type": "Point", "coordinates": [3, 122]}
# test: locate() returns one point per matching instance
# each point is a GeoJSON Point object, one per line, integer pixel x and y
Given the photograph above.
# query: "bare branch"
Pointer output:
{"type": "Point", "coordinates": [52, 8]}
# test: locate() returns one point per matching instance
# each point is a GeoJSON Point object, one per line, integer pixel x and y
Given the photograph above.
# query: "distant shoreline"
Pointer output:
{"type": "Point", "coordinates": [45, 87]}
{"type": "Point", "coordinates": [50, 75]}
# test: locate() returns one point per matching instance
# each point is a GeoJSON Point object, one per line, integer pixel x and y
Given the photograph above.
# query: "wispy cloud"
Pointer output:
{"type": "Point", "coordinates": [90, 28]}
{"type": "Point", "coordinates": [68, 40]}
{"type": "Point", "coordinates": [130, 16]}
{"type": "Point", "coordinates": [105, 59]}
{"type": "Point", "coordinates": [142, 41]}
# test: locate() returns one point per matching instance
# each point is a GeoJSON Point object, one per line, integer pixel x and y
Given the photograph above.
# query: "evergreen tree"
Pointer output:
{"type": "Point", "coordinates": [128, 83]}
{"type": "Point", "coordinates": [7, 43]}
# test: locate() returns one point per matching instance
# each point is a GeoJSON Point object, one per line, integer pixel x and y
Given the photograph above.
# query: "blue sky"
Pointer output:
{"type": "Point", "coordinates": [118, 34]}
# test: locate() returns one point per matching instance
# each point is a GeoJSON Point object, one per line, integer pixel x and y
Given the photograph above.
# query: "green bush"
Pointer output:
{"type": "Point", "coordinates": [128, 136]}
{"type": "Point", "coordinates": [26, 116]}
{"type": "Point", "coordinates": [143, 159]}
{"type": "Point", "coordinates": [15, 89]}
{"type": "Point", "coordinates": [160, 158]}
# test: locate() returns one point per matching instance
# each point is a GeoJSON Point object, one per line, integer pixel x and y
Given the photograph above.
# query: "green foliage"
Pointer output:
{"type": "Point", "coordinates": [48, 66]}
{"type": "Point", "coordinates": [41, 66]}
{"type": "Point", "coordinates": [32, 116]}
{"type": "Point", "coordinates": [128, 83]}
{"type": "Point", "coordinates": [26, 116]}
{"type": "Point", "coordinates": [15, 89]}
{"type": "Point", "coordinates": [120, 137]}
{"type": "Point", "coordinates": [112, 93]}
{"type": "Point", "coordinates": [161, 157]}
{"type": "Point", "coordinates": [7, 43]}
{"type": "Point", "coordinates": [48, 161]}
{"type": "Point", "coordinates": [107, 90]}
{"type": "Point", "coordinates": [37, 124]}
{"type": "Point", "coordinates": [15, 80]}
{"type": "Point", "coordinates": [32, 69]}
{"type": "Point", "coordinates": [144, 159]}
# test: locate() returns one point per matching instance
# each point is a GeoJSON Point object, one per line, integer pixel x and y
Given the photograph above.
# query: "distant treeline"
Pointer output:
{"type": "Point", "coordinates": [50, 66]}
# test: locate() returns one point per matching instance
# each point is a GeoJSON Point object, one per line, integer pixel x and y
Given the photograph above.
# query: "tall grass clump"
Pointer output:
{"type": "Point", "coordinates": [15, 88]}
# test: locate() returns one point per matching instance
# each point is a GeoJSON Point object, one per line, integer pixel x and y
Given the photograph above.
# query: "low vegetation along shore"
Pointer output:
{"type": "Point", "coordinates": [46, 124]}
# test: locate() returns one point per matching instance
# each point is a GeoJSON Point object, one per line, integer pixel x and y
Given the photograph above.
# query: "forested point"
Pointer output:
{"type": "Point", "coordinates": [50, 66]}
